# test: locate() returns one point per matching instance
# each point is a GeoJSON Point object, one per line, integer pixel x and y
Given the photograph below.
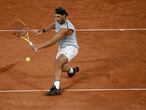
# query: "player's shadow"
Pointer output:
{"type": "Point", "coordinates": [16, 75]}
{"type": "Point", "coordinates": [7, 67]}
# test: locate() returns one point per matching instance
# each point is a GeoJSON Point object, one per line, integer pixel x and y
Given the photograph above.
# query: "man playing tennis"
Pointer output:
{"type": "Point", "coordinates": [68, 47]}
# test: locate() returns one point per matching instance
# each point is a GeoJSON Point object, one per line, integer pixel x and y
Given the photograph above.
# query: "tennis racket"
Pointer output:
{"type": "Point", "coordinates": [21, 31]}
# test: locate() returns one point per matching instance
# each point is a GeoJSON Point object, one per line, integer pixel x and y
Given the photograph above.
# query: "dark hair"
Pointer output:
{"type": "Point", "coordinates": [61, 11]}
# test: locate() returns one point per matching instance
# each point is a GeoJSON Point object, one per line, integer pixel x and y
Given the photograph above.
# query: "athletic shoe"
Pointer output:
{"type": "Point", "coordinates": [54, 91]}
{"type": "Point", "coordinates": [75, 70]}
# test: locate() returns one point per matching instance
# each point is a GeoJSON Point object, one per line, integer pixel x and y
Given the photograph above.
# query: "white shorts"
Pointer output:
{"type": "Point", "coordinates": [69, 51]}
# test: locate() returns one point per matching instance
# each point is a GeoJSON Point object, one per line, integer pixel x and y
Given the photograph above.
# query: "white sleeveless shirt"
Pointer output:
{"type": "Point", "coordinates": [67, 40]}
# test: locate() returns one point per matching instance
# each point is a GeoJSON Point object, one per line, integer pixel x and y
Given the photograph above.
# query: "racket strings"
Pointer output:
{"type": "Point", "coordinates": [21, 31]}
{"type": "Point", "coordinates": [20, 28]}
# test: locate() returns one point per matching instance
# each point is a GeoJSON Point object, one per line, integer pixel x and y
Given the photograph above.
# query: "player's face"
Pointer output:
{"type": "Point", "coordinates": [59, 18]}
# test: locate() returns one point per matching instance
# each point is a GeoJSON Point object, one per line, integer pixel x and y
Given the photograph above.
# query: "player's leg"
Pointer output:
{"type": "Point", "coordinates": [65, 68]}
{"type": "Point", "coordinates": [70, 70]}
{"type": "Point", "coordinates": [60, 62]}
{"type": "Point", "coordinates": [64, 56]}
{"type": "Point", "coordinates": [70, 52]}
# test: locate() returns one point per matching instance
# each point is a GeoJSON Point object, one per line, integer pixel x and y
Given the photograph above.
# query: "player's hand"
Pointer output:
{"type": "Point", "coordinates": [37, 31]}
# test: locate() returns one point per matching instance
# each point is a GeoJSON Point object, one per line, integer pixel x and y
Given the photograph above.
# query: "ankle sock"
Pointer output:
{"type": "Point", "coordinates": [71, 70]}
{"type": "Point", "coordinates": [57, 84]}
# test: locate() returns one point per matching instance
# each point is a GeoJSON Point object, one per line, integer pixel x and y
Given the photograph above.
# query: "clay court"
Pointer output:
{"type": "Point", "coordinates": [112, 62]}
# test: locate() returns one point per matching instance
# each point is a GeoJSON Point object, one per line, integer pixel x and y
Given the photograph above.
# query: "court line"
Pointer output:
{"type": "Point", "coordinates": [72, 90]}
{"type": "Point", "coordinates": [119, 29]}
{"type": "Point", "coordinates": [92, 30]}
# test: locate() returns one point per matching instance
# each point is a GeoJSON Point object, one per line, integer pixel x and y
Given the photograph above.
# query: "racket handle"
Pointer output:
{"type": "Point", "coordinates": [30, 43]}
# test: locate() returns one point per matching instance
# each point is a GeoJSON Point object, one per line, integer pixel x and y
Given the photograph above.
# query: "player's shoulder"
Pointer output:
{"type": "Point", "coordinates": [69, 24]}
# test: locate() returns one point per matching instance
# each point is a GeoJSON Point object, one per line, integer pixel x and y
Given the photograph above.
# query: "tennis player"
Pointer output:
{"type": "Point", "coordinates": [68, 47]}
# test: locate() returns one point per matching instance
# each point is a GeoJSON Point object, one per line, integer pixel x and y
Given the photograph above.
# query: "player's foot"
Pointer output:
{"type": "Point", "coordinates": [54, 91]}
{"type": "Point", "coordinates": [75, 70]}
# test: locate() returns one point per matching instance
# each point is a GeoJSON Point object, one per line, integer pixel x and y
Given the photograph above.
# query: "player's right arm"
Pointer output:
{"type": "Point", "coordinates": [45, 29]}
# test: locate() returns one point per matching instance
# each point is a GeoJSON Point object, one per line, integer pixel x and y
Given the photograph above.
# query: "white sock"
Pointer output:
{"type": "Point", "coordinates": [71, 70]}
{"type": "Point", "coordinates": [57, 84]}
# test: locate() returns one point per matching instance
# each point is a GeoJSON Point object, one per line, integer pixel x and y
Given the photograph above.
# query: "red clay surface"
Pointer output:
{"type": "Point", "coordinates": [107, 59]}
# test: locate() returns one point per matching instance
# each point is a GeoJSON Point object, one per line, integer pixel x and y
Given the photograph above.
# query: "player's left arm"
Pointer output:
{"type": "Point", "coordinates": [61, 34]}
{"type": "Point", "coordinates": [49, 28]}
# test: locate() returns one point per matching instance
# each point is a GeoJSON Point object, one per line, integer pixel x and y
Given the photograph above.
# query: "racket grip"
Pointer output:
{"type": "Point", "coordinates": [30, 43]}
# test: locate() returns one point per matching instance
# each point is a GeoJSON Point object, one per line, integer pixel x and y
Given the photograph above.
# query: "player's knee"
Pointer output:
{"type": "Point", "coordinates": [61, 60]}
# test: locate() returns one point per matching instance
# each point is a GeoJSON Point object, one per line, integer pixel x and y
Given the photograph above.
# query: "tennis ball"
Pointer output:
{"type": "Point", "coordinates": [27, 59]}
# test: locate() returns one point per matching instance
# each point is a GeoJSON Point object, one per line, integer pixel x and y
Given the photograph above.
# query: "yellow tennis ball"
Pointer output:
{"type": "Point", "coordinates": [27, 59]}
